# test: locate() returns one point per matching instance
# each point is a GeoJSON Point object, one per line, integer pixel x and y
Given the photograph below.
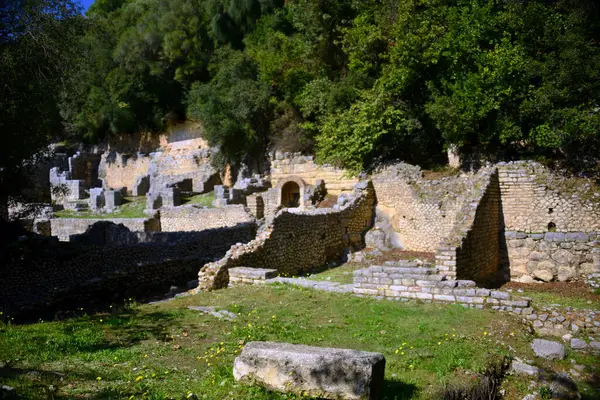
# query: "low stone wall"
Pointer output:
{"type": "Point", "coordinates": [50, 274]}
{"type": "Point", "coordinates": [559, 321]}
{"type": "Point", "coordinates": [475, 247]}
{"type": "Point", "coordinates": [296, 241]}
{"type": "Point", "coordinates": [285, 165]}
{"type": "Point", "coordinates": [197, 218]}
{"type": "Point", "coordinates": [553, 255]}
{"type": "Point", "coordinates": [63, 228]}
{"type": "Point", "coordinates": [386, 282]}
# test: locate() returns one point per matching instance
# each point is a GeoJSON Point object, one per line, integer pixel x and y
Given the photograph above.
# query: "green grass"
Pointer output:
{"type": "Point", "coordinates": [205, 199]}
{"type": "Point", "coordinates": [341, 274]}
{"type": "Point", "coordinates": [133, 207]}
{"type": "Point", "coordinates": [542, 298]}
{"type": "Point", "coordinates": [167, 351]}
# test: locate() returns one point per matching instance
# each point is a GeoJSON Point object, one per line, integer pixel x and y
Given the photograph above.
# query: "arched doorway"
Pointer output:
{"type": "Point", "coordinates": [290, 195]}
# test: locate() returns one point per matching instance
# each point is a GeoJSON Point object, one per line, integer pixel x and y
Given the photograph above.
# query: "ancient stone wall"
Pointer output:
{"type": "Point", "coordinates": [197, 218]}
{"type": "Point", "coordinates": [552, 223]}
{"type": "Point", "coordinates": [421, 212]}
{"type": "Point", "coordinates": [285, 165]}
{"type": "Point", "coordinates": [297, 240]}
{"type": "Point", "coordinates": [64, 275]}
{"type": "Point", "coordinates": [475, 248]}
{"type": "Point", "coordinates": [386, 282]}
{"type": "Point", "coordinates": [553, 255]}
{"type": "Point", "coordinates": [534, 199]}
{"type": "Point", "coordinates": [180, 153]}
{"type": "Point", "coordinates": [63, 228]}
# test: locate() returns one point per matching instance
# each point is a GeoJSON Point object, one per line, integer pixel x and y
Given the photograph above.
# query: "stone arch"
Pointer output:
{"type": "Point", "coordinates": [291, 192]}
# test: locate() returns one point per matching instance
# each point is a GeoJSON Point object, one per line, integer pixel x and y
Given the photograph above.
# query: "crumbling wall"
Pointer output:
{"type": "Point", "coordinates": [285, 165]}
{"type": "Point", "coordinates": [63, 228]}
{"type": "Point", "coordinates": [416, 213]}
{"type": "Point", "coordinates": [178, 154]}
{"type": "Point", "coordinates": [297, 240]}
{"type": "Point", "coordinates": [552, 223]}
{"type": "Point", "coordinates": [197, 218]}
{"type": "Point", "coordinates": [475, 248]}
{"type": "Point", "coordinates": [63, 275]}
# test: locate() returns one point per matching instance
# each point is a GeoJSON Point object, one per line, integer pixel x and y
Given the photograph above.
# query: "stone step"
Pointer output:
{"type": "Point", "coordinates": [408, 270]}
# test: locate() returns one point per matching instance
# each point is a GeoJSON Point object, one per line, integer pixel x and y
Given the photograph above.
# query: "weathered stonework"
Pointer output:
{"type": "Point", "coordinates": [421, 212]}
{"type": "Point", "coordinates": [410, 283]}
{"type": "Point", "coordinates": [197, 218]}
{"type": "Point", "coordinates": [553, 255]}
{"type": "Point", "coordinates": [297, 241]}
{"type": "Point", "coordinates": [285, 165]}
{"type": "Point", "coordinates": [63, 275]}
{"type": "Point", "coordinates": [558, 321]}
{"type": "Point", "coordinates": [552, 223]}
{"type": "Point", "coordinates": [475, 248]}
{"type": "Point", "coordinates": [63, 228]}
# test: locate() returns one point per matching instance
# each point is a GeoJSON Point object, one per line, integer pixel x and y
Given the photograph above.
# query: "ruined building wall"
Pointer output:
{"type": "Point", "coordinates": [552, 223]}
{"type": "Point", "coordinates": [63, 228]}
{"type": "Point", "coordinates": [475, 248]}
{"type": "Point", "coordinates": [421, 212]}
{"type": "Point", "coordinates": [285, 165]}
{"type": "Point", "coordinates": [63, 275]}
{"type": "Point", "coordinates": [298, 241]}
{"type": "Point", "coordinates": [180, 153]}
{"type": "Point", "coordinates": [197, 218]}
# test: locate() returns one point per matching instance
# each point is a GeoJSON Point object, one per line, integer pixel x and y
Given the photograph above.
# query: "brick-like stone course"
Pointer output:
{"type": "Point", "coordinates": [475, 247]}
{"type": "Point", "coordinates": [396, 283]}
{"type": "Point", "coordinates": [197, 218]}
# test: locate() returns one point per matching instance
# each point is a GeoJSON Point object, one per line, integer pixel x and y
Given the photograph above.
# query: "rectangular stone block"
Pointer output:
{"type": "Point", "coordinates": [443, 297]}
{"type": "Point", "coordinates": [327, 373]}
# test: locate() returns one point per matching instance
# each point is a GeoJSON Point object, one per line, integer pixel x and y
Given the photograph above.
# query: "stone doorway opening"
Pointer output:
{"type": "Point", "coordinates": [290, 195]}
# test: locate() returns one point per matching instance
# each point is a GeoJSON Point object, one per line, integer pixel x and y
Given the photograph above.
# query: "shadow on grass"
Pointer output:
{"type": "Point", "coordinates": [397, 390]}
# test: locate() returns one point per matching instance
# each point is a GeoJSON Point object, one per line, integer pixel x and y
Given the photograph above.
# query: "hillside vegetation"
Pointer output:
{"type": "Point", "coordinates": [355, 82]}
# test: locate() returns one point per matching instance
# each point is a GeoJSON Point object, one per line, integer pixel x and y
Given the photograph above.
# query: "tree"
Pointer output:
{"type": "Point", "coordinates": [37, 40]}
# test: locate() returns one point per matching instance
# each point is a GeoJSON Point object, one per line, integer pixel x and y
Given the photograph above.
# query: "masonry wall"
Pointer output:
{"type": "Point", "coordinates": [197, 218]}
{"type": "Point", "coordinates": [416, 213]}
{"type": "Point", "coordinates": [65, 227]}
{"type": "Point", "coordinates": [285, 165]}
{"type": "Point", "coordinates": [553, 255]}
{"type": "Point", "coordinates": [298, 241]}
{"type": "Point", "coordinates": [482, 253]}
{"type": "Point", "coordinates": [475, 247]}
{"type": "Point", "coordinates": [552, 223]}
{"type": "Point", "coordinates": [180, 153]}
{"type": "Point", "coordinates": [63, 275]}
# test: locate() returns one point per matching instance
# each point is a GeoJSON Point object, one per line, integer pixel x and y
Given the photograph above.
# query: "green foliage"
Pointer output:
{"type": "Point", "coordinates": [234, 106]}
{"type": "Point", "coordinates": [356, 82]}
{"type": "Point", "coordinates": [37, 39]}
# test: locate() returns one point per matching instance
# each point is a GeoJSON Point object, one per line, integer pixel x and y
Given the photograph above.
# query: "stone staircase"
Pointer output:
{"type": "Point", "coordinates": [410, 280]}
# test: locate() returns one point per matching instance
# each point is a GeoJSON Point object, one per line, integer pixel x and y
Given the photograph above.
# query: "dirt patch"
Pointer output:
{"type": "Point", "coordinates": [567, 289]}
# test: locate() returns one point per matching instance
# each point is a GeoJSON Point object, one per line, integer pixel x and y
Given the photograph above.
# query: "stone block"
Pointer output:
{"type": "Point", "coordinates": [328, 373]}
{"type": "Point", "coordinates": [548, 349]}
{"type": "Point", "coordinates": [112, 199]}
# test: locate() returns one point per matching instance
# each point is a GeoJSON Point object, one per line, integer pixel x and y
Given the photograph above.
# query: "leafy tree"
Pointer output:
{"type": "Point", "coordinates": [36, 48]}
{"type": "Point", "coordinates": [234, 106]}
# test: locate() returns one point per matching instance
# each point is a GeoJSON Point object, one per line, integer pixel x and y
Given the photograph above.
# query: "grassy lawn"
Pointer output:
{"type": "Point", "coordinates": [205, 199]}
{"type": "Point", "coordinates": [165, 351]}
{"type": "Point", "coordinates": [132, 207]}
{"type": "Point", "coordinates": [341, 274]}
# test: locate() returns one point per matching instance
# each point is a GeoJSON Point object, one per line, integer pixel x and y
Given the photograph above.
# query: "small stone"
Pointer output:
{"type": "Point", "coordinates": [522, 368]}
{"type": "Point", "coordinates": [578, 344]}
